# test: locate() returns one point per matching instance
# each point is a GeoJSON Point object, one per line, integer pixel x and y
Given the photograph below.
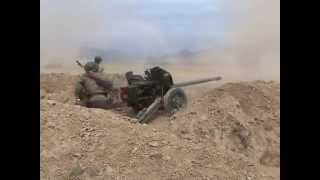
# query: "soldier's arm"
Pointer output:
{"type": "Point", "coordinates": [100, 81]}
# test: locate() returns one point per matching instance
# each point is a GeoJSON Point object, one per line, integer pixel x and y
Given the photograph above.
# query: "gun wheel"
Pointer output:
{"type": "Point", "coordinates": [174, 100]}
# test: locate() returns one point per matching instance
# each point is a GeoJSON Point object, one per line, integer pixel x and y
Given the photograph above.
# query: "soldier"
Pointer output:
{"type": "Point", "coordinates": [93, 89]}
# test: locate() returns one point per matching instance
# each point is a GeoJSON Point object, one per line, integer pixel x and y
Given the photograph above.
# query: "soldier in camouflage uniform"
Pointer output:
{"type": "Point", "coordinates": [94, 88]}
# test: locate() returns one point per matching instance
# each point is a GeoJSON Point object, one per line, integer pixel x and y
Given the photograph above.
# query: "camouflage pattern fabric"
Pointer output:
{"type": "Point", "coordinates": [99, 101]}
{"type": "Point", "coordinates": [101, 80]}
{"type": "Point", "coordinates": [91, 93]}
{"type": "Point", "coordinates": [91, 66]}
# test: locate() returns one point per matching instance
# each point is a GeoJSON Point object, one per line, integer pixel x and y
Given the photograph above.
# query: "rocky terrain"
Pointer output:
{"type": "Point", "coordinates": [228, 132]}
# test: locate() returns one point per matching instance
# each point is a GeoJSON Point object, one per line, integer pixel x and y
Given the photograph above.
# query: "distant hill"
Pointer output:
{"type": "Point", "coordinates": [112, 55]}
{"type": "Point", "coordinates": [186, 53]}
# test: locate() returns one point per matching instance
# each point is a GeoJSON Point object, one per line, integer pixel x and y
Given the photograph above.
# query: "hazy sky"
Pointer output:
{"type": "Point", "coordinates": [144, 25]}
{"type": "Point", "coordinates": [250, 29]}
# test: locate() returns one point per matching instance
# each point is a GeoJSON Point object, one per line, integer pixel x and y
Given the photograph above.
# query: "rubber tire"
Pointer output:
{"type": "Point", "coordinates": [168, 103]}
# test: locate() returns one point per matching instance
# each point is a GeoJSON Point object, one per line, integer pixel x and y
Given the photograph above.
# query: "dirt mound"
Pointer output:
{"type": "Point", "coordinates": [229, 132]}
{"type": "Point", "coordinates": [240, 118]}
{"type": "Point", "coordinates": [58, 86]}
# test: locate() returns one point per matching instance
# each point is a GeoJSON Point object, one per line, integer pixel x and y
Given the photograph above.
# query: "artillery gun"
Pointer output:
{"type": "Point", "coordinates": [144, 94]}
{"type": "Point", "coordinates": [156, 90]}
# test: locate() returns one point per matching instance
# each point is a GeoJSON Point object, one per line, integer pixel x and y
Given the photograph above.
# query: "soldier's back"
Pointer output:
{"type": "Point", "coordinates": [91, 66]}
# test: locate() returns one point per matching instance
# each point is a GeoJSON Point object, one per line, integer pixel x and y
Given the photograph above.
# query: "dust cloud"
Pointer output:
{"type": "Point", "coordinates": [250, 47]}
{"type": "Point", "coordinates": [256, 39]}
{"type": "Point", "coordinates": [68, 26]}
{"type": "Point", "coordinates": [252, 41]}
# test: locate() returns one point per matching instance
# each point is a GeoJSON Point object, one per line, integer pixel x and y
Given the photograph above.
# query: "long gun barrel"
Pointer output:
{"type": "Point", "coordinates": [189, 83]}
{"type": "Point", "coordinates": [79, 64]}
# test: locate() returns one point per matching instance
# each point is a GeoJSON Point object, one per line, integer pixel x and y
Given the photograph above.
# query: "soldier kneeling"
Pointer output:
{"type": "Point", "coordinates": [94, 89]}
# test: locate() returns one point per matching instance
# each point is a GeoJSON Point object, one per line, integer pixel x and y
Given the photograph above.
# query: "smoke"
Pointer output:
{"type": "Point", "coordinates": [254, 27]}
{"type": "Point", "coordinates": [240, 33]}
{"type": "Point", "coordinates": [68, 26]}
{"type": "Point", "coordinates": [256, 39]}
{"type": "Point", "coordinates": [61, 25]}
{"type": "Point", "coordinates": [251, 45]}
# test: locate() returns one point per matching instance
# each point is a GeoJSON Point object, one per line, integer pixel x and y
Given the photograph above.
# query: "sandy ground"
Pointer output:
{"type": "Point", "coordinates": [230, 130]}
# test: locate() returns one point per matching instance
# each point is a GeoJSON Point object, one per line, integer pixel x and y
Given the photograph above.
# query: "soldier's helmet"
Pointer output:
{"type": "Point", "coordinates": [97, 59]}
